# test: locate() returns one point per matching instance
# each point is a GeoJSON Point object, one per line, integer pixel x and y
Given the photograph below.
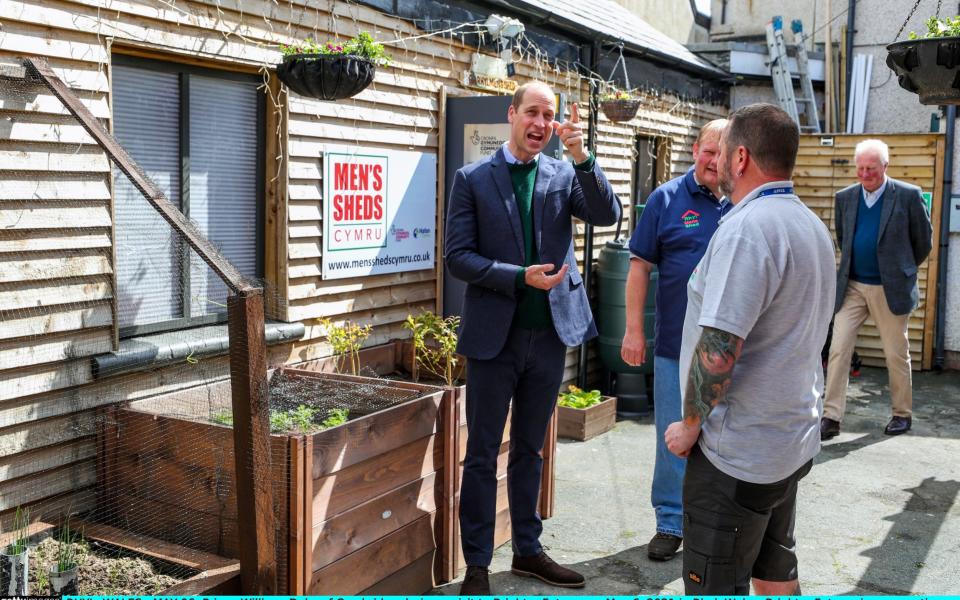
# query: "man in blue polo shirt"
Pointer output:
{"type": "Point", "coordinates": [672, 235]}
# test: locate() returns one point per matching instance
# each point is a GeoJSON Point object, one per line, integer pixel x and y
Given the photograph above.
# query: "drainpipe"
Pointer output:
{"type": "Point", "coordinates": [594, 63]}
{"type": "Point", "coordinates": [945, 202]}
{"type": "Point", "coordinates": [851, 18]}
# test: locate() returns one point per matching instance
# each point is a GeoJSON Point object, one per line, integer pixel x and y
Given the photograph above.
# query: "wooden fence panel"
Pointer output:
{"type": "Point", "coordinates": [823, 170]}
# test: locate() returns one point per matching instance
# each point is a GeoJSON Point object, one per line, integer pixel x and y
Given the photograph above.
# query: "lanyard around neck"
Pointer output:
{"type": "Point", "coordinates": [776, 190]}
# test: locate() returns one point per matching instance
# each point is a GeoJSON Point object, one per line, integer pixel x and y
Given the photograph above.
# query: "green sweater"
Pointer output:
{"type": "Point", "coordinates": [533, 310]}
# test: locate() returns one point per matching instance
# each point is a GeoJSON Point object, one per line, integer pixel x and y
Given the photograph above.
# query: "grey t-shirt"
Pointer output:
{"type": "Point", "coordinates": [768, 277]}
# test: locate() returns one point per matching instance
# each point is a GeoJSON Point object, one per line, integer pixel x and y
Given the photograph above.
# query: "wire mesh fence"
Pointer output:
{"type": "Point", "coordinates": [117, 443]}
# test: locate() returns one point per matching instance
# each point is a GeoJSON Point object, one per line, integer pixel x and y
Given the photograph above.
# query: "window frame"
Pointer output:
{"type": "Point", "coordinates": [184, 71]}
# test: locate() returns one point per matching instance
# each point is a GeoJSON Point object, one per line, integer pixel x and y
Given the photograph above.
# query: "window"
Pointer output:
{"type": "Point", "coordinates": [198, 134]}
{"type": "Point", "coordinates": [648, 171]}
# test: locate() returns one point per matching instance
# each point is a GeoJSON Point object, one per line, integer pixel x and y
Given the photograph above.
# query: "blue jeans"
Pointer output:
{"type": "Point", "coordinates": [667, 492]}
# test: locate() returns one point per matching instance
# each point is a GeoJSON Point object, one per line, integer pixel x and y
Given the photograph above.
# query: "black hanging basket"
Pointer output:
{"type": "Point", "coordinates": [620, 111]}
{"type": "Point", "coordinates": [324, 76]}
{"type": "Point", "coordinates": [928, 67]}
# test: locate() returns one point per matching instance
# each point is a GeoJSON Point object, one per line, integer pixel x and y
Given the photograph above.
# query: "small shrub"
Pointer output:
{"type": "Point", "coordinates": [435, 344]}
{"type": "Point", "coordinates": [346, 340]}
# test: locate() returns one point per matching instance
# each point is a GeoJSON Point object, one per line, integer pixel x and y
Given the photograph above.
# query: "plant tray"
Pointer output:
{"type": "Point", "coordinates": [585, 423]}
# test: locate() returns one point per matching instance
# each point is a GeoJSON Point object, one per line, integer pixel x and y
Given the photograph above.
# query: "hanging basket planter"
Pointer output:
{"type": "Point", "coordinates": [325, 76]}
{"type": "Point", "coordinates": [928, 67]}
{"type": "Point", "coordinates": [620, 110]}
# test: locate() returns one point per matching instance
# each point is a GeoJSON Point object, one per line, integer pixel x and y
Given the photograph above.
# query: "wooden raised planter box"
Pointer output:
{"type": "Point", "coordinates": [585, 423]}
{"type": "Point", "coordinates": [357, 506]}
{"type": "Point", "coordinates": [206, 574]}
{"type": "Point", "coordinates": [395, 359]}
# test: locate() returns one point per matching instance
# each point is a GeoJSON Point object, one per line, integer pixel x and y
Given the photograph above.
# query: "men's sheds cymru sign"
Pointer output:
{"type": "Point", "coordinates": [379, 211]}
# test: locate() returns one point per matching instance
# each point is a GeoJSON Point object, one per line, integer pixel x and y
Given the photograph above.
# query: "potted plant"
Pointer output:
{"type": "Point", "coordinates": [929, 65]}
{"type": "Point", "coordinates": [582, 415]}
{"type": "Point", "coordinates": [333, 70]}
{"type": "Point", "coordinates": [619, 105]}
{"type": "Point", "coordinates": [63, 574]}
{"type": "Point", "coordinates": [15, 557]}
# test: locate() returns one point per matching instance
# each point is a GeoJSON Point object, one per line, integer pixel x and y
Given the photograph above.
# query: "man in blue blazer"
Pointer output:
{"type": "Point", "coordinates": [509, 236]}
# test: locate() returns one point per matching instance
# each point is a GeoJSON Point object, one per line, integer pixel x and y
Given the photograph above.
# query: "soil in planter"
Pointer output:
{"type": "Point", "coordinates": [102, 571]}
{"type": "Point", "coordinates": [309, 404]}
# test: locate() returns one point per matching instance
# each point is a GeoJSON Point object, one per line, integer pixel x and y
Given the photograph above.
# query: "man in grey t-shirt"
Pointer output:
{"type": "Point", "coordinates": [759, 307]}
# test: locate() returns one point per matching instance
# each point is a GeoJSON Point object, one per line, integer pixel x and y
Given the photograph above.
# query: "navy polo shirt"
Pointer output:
{"type": "Point", "coordinates": [674, 230]}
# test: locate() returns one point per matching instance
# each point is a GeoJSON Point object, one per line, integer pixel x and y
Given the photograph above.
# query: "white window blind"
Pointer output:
{"type": "Point", "coordinates": [223, 182]}
{"type": "Point", "coordinates": [162, 284]}
{"type": "Point", "coordinates": [146, 112]}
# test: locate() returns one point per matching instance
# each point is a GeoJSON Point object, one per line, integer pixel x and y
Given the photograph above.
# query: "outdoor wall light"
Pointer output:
{"type": "Point", "coordinates": [504, 27]}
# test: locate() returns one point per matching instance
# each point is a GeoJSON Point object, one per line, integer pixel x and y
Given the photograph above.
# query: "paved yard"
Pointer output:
{"type": "Point", "coordinates": [877, 515]}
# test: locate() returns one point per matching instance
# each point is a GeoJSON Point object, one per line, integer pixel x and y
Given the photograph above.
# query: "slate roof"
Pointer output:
{"type": "Point", "coordinates": [615, 22]}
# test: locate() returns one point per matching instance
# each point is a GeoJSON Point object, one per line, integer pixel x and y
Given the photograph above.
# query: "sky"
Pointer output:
{"type": "Point", "coordinates": [703, 6]}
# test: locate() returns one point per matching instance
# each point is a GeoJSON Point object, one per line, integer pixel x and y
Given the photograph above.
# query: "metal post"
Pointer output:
{"type": "Point", "coordinates": [939, 352]}
{"type": "Point", "coordinates": [588, 230]}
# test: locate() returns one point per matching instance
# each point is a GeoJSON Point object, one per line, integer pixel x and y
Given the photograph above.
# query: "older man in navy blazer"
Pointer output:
{"type": "Point", "coordinates": [509, 236]}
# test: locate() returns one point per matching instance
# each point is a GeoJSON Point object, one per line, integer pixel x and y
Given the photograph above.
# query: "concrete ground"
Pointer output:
{"type": "Point", "coordinates": [876, 515]}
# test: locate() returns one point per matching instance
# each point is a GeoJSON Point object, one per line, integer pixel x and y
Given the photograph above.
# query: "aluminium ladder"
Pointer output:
{"type": "Point", "coordinates": [783, 80]}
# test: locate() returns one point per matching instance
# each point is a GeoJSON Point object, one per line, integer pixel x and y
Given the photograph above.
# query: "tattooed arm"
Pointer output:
{"type": "Point", "coordinates": [713, 361]}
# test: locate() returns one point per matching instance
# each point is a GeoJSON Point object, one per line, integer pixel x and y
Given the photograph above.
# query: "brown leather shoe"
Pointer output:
{"type": "Point", "coordinates": [828, 428]}
{"type": "Point", "coordinates": [475, 582]}
{"type": "Point", "coordinates": [898, 425]}
{"type": "Point", "coordinates": [545, 569]}
{"type": "Point", "coordinates": [663, 546]}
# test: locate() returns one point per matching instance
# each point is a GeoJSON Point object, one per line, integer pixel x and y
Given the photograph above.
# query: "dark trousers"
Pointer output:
{"type": "Point", "coordinates": [529, 370]}
{"type": "Point", "coordinates": [734, 530]}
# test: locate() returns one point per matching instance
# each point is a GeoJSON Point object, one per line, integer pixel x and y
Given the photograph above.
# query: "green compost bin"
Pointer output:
{"type": "Point", "coordinates": [633, 386]}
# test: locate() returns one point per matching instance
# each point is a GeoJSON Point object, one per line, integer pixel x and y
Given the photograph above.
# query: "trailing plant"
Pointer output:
{"type": "Point", "coordinates": [938, 28]}
{"type": "Point", "coordinates": [363, 46]}
{"type": "Point", "coordinates": [20, 529]}
{"type": "Point", "coordinates": [337, 416]}
{"type": "Point", "coordinates": [575, 397]}
{"type": "Point", "coordinates": [346, 340]}
{"type": "Point", "coordinates": [435, 344]}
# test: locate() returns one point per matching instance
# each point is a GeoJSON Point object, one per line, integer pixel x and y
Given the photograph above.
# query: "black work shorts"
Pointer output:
{"type": "Point", "coordinates": [734, 530]}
